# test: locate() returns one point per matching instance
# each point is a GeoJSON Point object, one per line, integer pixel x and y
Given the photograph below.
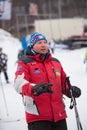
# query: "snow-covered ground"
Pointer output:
{"type": "Point", "coordinates": [12, 114]}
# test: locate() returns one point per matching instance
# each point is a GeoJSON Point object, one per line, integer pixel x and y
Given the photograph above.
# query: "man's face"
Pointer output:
{"type": "Point", "coordinates": [41, 47]}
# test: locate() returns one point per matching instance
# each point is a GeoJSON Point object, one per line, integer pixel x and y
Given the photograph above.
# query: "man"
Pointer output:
{"type": "Point", "coordinates": [3, 64]}
{"type": "Point", "coordinates": [40, 79]}
{"type": "Point", "coordinates": [52, 45]}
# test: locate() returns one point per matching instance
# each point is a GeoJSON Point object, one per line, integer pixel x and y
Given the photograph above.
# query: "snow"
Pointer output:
{"type": "Point", "coordinates": [12, 114]}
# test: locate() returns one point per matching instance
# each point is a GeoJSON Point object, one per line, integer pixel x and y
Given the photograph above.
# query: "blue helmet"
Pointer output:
{"type": "Point", "coordinates": [25, 42]}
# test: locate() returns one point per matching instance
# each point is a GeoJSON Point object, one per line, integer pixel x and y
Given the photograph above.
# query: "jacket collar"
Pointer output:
{"type": "Point", "coordinates": [41, 58]}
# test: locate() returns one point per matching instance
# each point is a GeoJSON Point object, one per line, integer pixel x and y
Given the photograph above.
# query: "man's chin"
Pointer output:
{"type": "Point", "coordinates": [43, 52]}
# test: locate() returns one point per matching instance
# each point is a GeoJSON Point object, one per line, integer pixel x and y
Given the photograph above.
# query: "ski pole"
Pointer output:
{"type": "Point", "coordinates": [4, 97]}
{"type": "Point", "coordinates": [73, 104]}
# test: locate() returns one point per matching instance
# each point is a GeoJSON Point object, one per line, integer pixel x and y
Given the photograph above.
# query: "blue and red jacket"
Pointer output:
{"type": "Point", "coordinates": [45, 106]}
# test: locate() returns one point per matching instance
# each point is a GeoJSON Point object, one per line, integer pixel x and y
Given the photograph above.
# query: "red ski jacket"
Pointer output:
{"type": "Point", "coordinates": [45, 106]}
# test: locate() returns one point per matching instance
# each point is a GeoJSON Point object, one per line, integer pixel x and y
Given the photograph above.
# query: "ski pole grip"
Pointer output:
{"type": "Point", "coordinates": [69, 85]}
{"type": "Point", "coordinates": [68, 82]}
{"type": "Point", "coordinates": [73, 102]}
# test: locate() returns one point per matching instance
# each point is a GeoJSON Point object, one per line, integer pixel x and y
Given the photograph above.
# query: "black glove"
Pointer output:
{"type": "Point", "coordinates": [42, 88]}
{"type": "Point", "coordinates": [76, 92]}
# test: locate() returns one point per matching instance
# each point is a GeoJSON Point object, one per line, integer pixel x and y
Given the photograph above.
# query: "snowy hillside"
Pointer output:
{"type": "Point", "coordinates": [10, 46]}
